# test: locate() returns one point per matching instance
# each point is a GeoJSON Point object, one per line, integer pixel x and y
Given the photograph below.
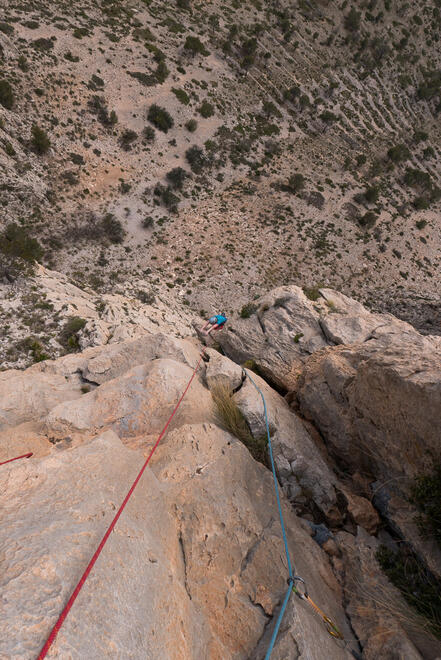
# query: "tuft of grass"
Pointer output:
{"type": "Point", "coordinates": [230, 418]}
{"type": "Point", "coordinates": [69, 335]}
{"type": "Point", "coordinates": [248, 310]}
{"type": "Point", "coordinates": [419, 588]}
{"type": "Point", "coordinates": [312, 292]}
{"type": "Point", "coordinates": [426, 495]}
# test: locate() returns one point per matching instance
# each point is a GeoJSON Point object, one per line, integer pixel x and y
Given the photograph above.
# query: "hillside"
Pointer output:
{"type": "Point", "coordinates": [287, 143]}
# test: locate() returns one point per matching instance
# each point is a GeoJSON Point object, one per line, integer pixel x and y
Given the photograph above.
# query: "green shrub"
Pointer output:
{"type": "Point", "coordinates": [206, 109]}
{"type": "Point", "coordinates": [191, 125]}
{"type": "Point", "coordinates": [127, 138]}
{"type": "Point", "coordinates": [113, 228]}
{"type": "Point", "coordinates": [312, 292]}
{"type": "Point", "coordinates": [160, 118]}
{"type": "Point", "coordinates": [9, 149]}
{"type": "Point", "coordinates": [177, 177]}
{"type": "Point", "coordinates": [98, 106]}
{"type": "Point", "coordinates": [352, 20]}
{"type": "Point", "coordinates": [420, 136]}
{"type": "Point", "coordinates": [161, 72]}
{"type": "Point", "coordinates": [372, 194]}
{"type": "Point", "coordinates": [6, 28]}
{"type": "Point", "coordinates": [169, 199]}
{"type": "Point", "coordinates": [149, 134]}
{"type": "Point", "coordinates": [40, 140]}
{"type": "Point", "coordinates": [195, 46]}
{"type": "Point", "coordinates": [295, 184]}
{"type": "Point", "coordinates": [328, 117]}
{"type": "Point", "coordinates": [420, 224]}
{"type": "Point", "coordinates": [399, 153]}
{"type": "Point", "coordinates": [43, 45]}
{"type": "Point", "coordinates": [23, 64]}
{"type": "Point", "coordinates": [35, 347]}
{"type": "Point", "coordinates": [15, 242]}
{"type": "Point", "coordinates": [181, 95]}
{"type": "Point", "coordinates": [368, 220]}
{"type": "Point", "coordinates": [196, 158]}
{"type": "Point", "coordinates": [417, 178]}
{"type": "Point", "coordinates": [69, 335]}
{"type": "Point", "coordinates": [248, 310]}
{"type": "Point", "coordinates": [426, 495]}
{"type": "Point", "coordinates": [7, 98]}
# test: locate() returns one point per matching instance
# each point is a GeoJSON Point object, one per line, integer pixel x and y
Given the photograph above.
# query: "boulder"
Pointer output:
{"type": "Point", "coordinates": [377, 403]}
{"type": "Point", "coordinates": [220, 371]}
{"type": "Point", "coordinates": [26, 395]}
{"type": "Point", "coordinates": [137, 403]}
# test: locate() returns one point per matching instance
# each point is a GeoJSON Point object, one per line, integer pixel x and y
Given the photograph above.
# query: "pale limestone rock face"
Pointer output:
{"type": "Point", "coordinates": [288, 327]}
{"type": "Point", "coordinates": [221, 371]}
{"type": "Point", "coordinates": [31, 394]}
{"type": "Point", "coordinates": [138, 402]}
{"type": "Point", "coordinates": [193, 570]}
{"type": "Point", "coordinates": [301, 467]}
{"type": "Point", "coordinates": [25, 395]}
{"type": "Point", "coordinates": [377, 404]}
{"type": "Point", "coordinates": [385, 625]}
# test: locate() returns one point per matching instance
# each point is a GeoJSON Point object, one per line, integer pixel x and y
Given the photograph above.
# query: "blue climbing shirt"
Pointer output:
{"type": "Point", "coordinates": [218, 319]}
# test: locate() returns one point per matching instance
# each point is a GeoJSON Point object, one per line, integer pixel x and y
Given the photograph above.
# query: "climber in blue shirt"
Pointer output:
{"type": "Point", "coordinates": [216, 322]}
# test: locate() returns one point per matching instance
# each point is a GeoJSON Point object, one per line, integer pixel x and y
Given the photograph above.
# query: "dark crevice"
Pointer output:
{"type": "Point", "coordinates": [184, 560]}
{"type": "Point", "coordinates": [85, 380]}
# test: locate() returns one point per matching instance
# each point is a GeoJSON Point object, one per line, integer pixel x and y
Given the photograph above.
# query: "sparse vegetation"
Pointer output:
{"type": "Point", "coordinates": [420, 589]}
{"type": "Point", "coordinates": [195, 46]}
{"type": "Point", "coordinates": [160, 118]}
{"type": "Point", "coordinates": [231, 419]}
{"type": "Point", "coordinates": [426, 495]}
{"type": "Point", "coordinates": [248, 310]}
{"type": "Point", "coordinates": [7, 98]}
{"type": "Point", "coordinates": [40, 140]}
{"type": "Point", "coordinates": [69, 335]}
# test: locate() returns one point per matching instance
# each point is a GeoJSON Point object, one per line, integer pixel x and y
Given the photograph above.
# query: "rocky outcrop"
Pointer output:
{"type": "Point", "coordinates": [287, 327]}
{"type": "Point", "coordinates": [367, 400]}
{"type": "Point", "coordinates": [195, 567]}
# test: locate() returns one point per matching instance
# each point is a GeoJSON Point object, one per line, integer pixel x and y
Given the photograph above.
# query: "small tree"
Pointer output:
{"type": "Point", "coordinates": [352, 20]}
{"type": "Point", "coordinates": [149, 134]}
{"type": "Point", "coordinates": [7, 98]}
{"type": "Point", "coordinates": [177, 177]}
{"type": "Point", "coordinates": [371, 194]}
{"type": "Point", "coordinates": [191, 125]}
{"type": "Point", "coordinates": [127, 139]}
{"type": "Point", "coordinates": [398, 153]}
{"type": "Point", "coordinates": [368, 220]}
{"type": "Point", "coordinates": [195, 46]}
{"type": "Point", "coordinates": [206, 109]}
{"type": "Point", "coordinates": [196, 158]}
{"type": "Point", "coordinates": [296, 183]}
{"type": "Point", "coordinates": [40, 140]}
{"type": "Point", "coordinates": [160, 118]}
{"type": "Point", "coordinates": [113, 228]}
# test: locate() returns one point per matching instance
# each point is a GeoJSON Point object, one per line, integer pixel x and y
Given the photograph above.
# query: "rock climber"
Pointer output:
{"type": "Point", "coordinates": [216, 322]}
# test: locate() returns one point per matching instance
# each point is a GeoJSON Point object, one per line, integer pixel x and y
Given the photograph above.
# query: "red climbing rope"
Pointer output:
{"type": "Point", "coordinates": [91, 564]}
{"type": "Point", "coordinates": [17, 457]}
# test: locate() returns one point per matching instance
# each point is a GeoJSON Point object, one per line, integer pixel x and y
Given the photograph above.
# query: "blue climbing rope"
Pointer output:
{"type": "Point", "coordinates": [291, 577]}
